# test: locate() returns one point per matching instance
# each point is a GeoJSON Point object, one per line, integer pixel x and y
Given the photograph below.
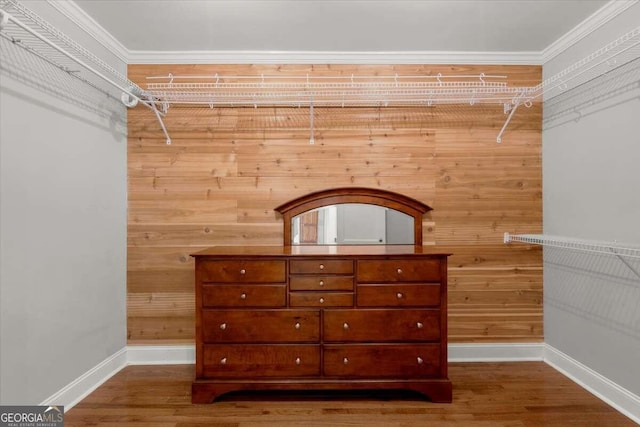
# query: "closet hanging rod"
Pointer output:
{"type": "Point", "coordinates": [350, 77]}
{"type": "Point", "coordinates": [328, 85]}
{"type": "Point", "coordinates": [204, 93]}
{"type": "Point", "coordinates": [466, 94]}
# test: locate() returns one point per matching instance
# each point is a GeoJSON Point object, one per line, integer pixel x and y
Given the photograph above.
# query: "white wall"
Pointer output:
{"type": "Point", "coordinates": [62, 232]}
{"type": "Point", "coordinates": [591, 178]}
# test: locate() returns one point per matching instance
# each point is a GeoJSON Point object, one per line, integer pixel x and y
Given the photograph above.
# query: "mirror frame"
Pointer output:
{"type": "Point", "coordinates": [370, 196]}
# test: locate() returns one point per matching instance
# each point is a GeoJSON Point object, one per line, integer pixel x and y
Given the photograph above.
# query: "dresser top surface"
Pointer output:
{"type": "Point", "coordinates": [321, 250]}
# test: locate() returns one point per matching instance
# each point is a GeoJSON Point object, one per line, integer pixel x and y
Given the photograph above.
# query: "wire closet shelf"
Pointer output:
{"type": "Point", "coordinates": [340, 90]}
{"type": "Point", "coordinates": [25, 29]}
{"type": "Point", "coordinates": [590, 246]}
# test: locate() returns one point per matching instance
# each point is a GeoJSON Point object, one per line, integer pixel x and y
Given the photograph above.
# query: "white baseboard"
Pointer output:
{"type": "Point", "coordinates": [611, 393]}
{"type": "Point", "coordinates": [161, 354]}
{"type": "Point", "coordinates": [81, 387]}
{"type": "Point", "coordinates": [496, 352]}
{"type": "Point", "coordinates": [185, 354]}
{"type": "Point", "coordinates": [618, 397]}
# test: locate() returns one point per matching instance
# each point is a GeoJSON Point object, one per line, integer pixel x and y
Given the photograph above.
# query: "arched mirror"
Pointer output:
{"type": "Point", "coordinates": [353, 216]}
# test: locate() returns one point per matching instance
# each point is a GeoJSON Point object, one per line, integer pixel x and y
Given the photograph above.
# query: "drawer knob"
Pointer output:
{"type": "Point", "coordinates": [399, 271]}
{"type": "Point", "coordinates": [223, 326]}
{"type": "Point", "coordinates": [321, 283]}
{"type": "Point", "coordinates": [399, 295]}
{"type": "Point", "coordinates": [321, 266]}
{"type": "Point", "coordinates": [223, 361]}
{"type": "Point", "coordinates": [321, 300]}
{"type": "Point", "coordinates": [243, 296]}
{"type": "Point", "coordinates": [419, 360]}
{"type": "Point", "coordinates": [345, 326]}
{"type": "Point", "coordinates": [243, 271]}
{"type": "Point", "coordinates": [297, 325]}
{"type": "Point", "coordinates": [419, 325]}
{"type": "Point", "coordinates": [345, 361]}
{"type": "Point", "coordinates": [298, 361]}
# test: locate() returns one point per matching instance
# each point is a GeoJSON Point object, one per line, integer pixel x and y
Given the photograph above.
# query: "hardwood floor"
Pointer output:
{"type": "Point", "coordinates": [484, 394]}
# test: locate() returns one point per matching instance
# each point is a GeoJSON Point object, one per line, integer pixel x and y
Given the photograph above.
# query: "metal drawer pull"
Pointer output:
{"type": "Point", "coordinates": [419, 325]}
{"type": "Point", "coordinates": [345, 361]}
{"type": "Point", "coordinates": [223, 326]}
{"type": "Point", "coordinates": [321, 300]}
{"type": "Point", "coordinates": [298, 361]}
{"type": "Point", "coordinates": [345, 326]}
{"type": "Point", "coordinates": [321, 266]}
{"type": "Point", "coordinates": [321, 282]}
{"type": "Point", "coordinates": [243, 271]}
{"type": "Point", "coordinates": [399, 295]}
{"type": "Point", "coordinates": [243, 296]}
{"type": "Point", "coordinates": [223, 361]}
{"type": "Point", "coordinates": [399, 271]}
{"type": "Point", "coordinates": [420, 360]}
{"type": "Point", "coordinates": [297, 325]}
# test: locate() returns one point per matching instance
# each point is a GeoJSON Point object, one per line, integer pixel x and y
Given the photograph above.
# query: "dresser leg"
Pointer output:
{"type": "Point", "coordinates": [205, 392]}
{"type": "Point", "coordinates": [436, 391]}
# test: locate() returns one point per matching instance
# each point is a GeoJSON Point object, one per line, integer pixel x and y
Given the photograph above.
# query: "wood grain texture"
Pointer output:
{"type": "Point", "coordinates": [529, 394]}
{"type": "Point", "coordinates": [228, 168]}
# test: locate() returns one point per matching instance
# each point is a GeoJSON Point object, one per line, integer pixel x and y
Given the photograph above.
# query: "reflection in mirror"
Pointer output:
{"type": "Point", "coordinates": [352, 224]}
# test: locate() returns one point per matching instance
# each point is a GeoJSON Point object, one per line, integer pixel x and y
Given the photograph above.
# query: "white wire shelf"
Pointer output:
{"type": "Point", "coordinates": [22, 28]}
{"type": "Point", "coordinates": [338, 91]}
{"type": "Point", "coordinates": [590, 246]}
{"type": "Point", "coordinates": [619, 84]}
{"type": "Point", "coordinates": [353, 90]}
{"type": "Point", "coordinates": [394, 90]}
{"type": "Point", "coordinates": [26, 30]}
{"type": "Point", "coordinates": [613, 55]}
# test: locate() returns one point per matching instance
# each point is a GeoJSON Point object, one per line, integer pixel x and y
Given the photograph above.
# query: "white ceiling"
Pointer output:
{"type": "Point", "coordinates": [339, 26]}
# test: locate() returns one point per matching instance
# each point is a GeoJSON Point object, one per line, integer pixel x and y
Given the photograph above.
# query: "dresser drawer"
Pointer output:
{"type": "Point", "coordinates": [401, 270]}
{"type": "Point", "coordinates": [381, 325]}
{"type": "Point", "coordinates": [420, 295]}
{"type": "Point", "coordinates": [244, 295]}
{"type": "Point", "coordinates": [320, 283]}
{"type": "Point", "coordinates": [321, 266]}
{"type": "Point", "coordinates": [243, 271]}
{"type": "Point", "coordinates": [275, 360]}
{"type": "Point", "coordinates": [260, 326]}
{"type": "Point", "coordinates": [382, 360]}
{"type": "Point", "coordinates": [321, 299]}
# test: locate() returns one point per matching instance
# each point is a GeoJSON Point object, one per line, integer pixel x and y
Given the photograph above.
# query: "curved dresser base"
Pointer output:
{"type": "Point", "coordinates": [207, 391]}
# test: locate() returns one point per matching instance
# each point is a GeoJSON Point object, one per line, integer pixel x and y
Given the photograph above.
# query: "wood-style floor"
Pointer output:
{"type": "Point", "coordinates": [484, 394]}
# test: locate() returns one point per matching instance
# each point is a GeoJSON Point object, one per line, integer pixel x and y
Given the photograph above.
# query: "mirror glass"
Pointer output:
{"type": "Point", "coordinates": [352, 224]}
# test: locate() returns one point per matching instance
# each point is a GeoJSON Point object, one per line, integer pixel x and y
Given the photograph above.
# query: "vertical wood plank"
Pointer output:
{"type": "Point", "coordinates": [227, 168]}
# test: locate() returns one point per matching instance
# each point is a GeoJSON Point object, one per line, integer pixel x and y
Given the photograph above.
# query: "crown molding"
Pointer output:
{"type": "Point", "coordinates": [332, 57]}
{"type": "Point", "coordinates": [586, 27]}
{"type": "Point", "coordinates": [79, 17]}
{"type": "Point", "coordinates": [87, 24]}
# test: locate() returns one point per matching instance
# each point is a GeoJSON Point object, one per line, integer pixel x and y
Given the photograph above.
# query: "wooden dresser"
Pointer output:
{"type": "Point", "coordinates": [321, 318]}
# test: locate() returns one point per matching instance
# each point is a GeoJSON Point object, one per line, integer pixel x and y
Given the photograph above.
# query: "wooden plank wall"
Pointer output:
{"type": "Point", "coordinates": [226, 170]}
